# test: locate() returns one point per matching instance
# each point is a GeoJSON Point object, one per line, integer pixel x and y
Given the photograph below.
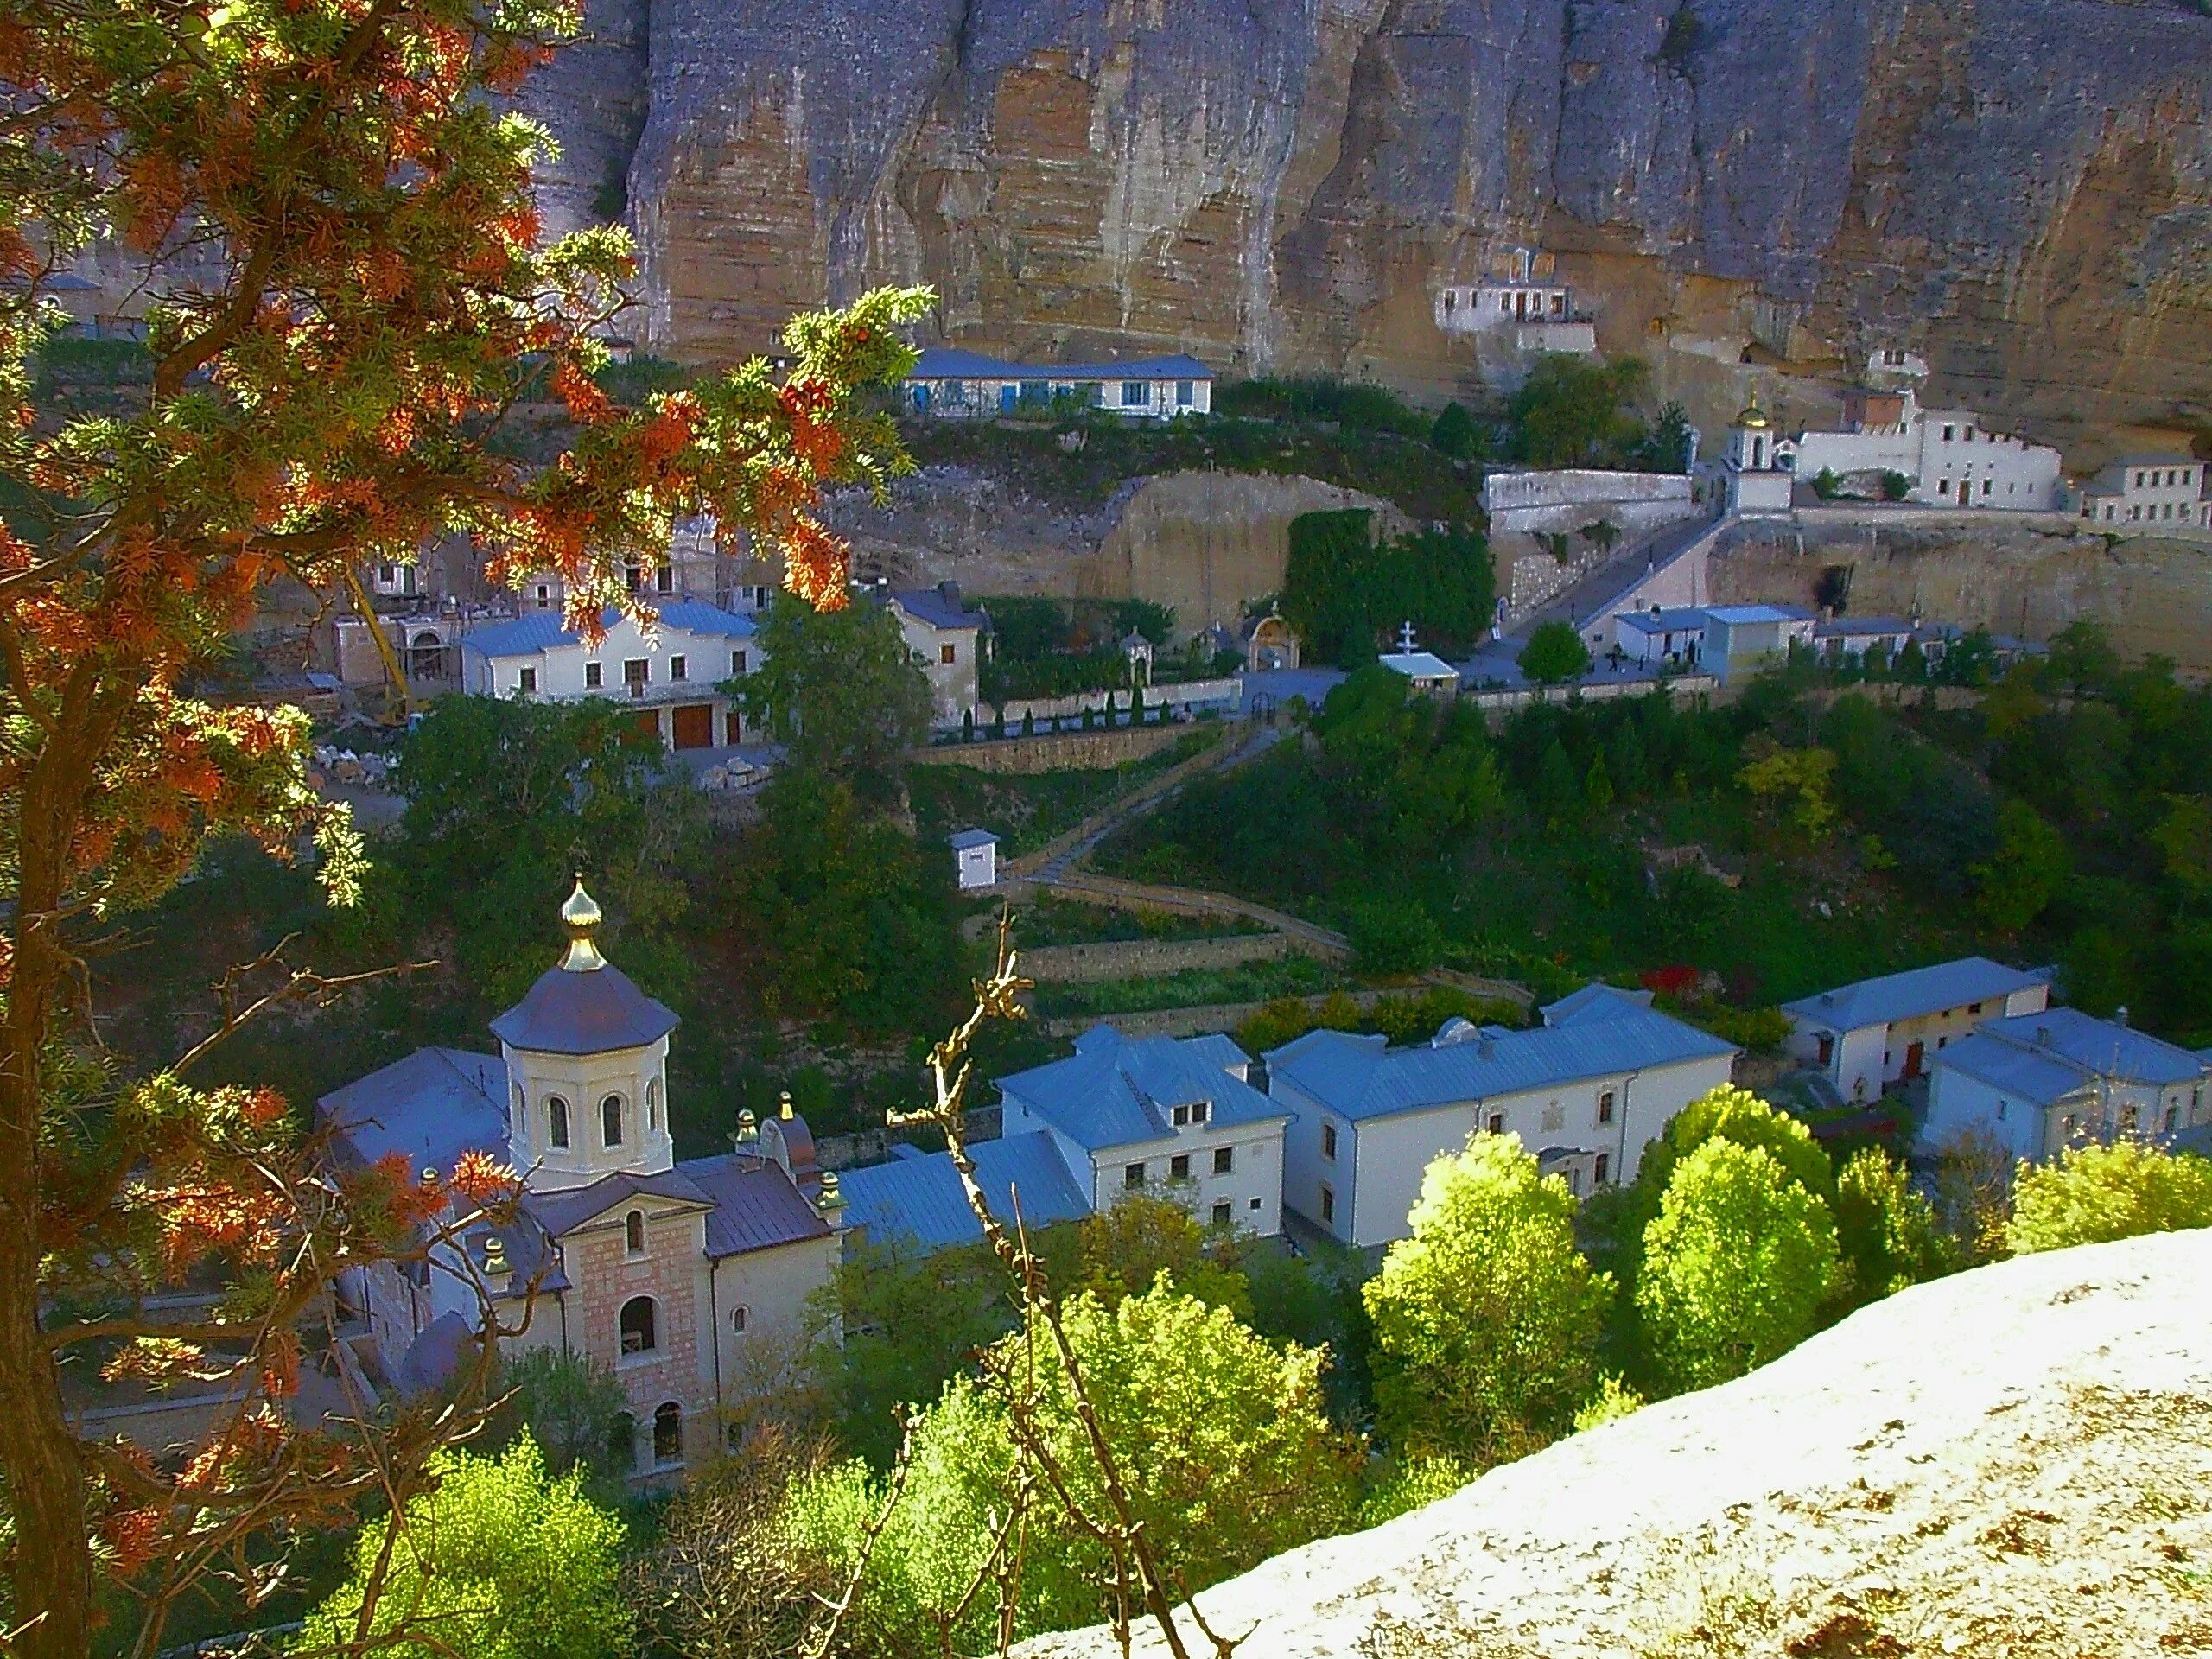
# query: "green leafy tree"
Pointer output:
{"type": "Point", "coordinates": [1598, 784]}
{"type": "Point", "coordinates": [1736, 1264]}
{"type": "Point", "coordinates": [1600, 533]}
{"type": "Point", "coordinates": [1554, 654]}
{"type": "Point", "coordinates": [1557, 791]}
{"type": "Point", "coordinates": [840, 908]}
{"type": "Point", "coordinates": [1885, 1230]}
{"type": "Point", "coordinates": [1220, 1437]}
{"type": "Point", "coordinates": [842, 690]}
{"type": "Point", "coordinates": [2016, 882]}
{"type": "Point", "coordinates": [1570, 413]}
{"type": "Point", "coordinates": [1126, 1246]}
{"type": "Point", "coordinates": [2089, 1195]}
{"type": "Point", "coordinates": [2081, 657]}
{"type": "Point", "coordinates": [500, 1560]}
{"type": "Point", "coordinates": [1343, 587]}
{"type": "Point", "coordinates": [1667, 449]}
{"type": "Point", "coordinates": [573, 1407]}
{"type": "Point", "coordinates": [1487, 1318]}
{"type": "Point", "coordinates": [505, 799]}
{"type": "Point", "coordinates": [1392, 935]}
{"type": "Point", "coordinates": [1454, 433]}
{"type": "Point", "coordinates": [2183, 838]}
{"type": "Point", "coordinates": [1781, 774]}
{"type": "Point", "coordinates": [1896, 487]}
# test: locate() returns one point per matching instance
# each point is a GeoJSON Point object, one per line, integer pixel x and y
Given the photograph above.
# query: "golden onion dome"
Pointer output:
{"type": "Point", "coordinates": [1753, 417]}
{"type": "Point", "coordinates": [582, 916]}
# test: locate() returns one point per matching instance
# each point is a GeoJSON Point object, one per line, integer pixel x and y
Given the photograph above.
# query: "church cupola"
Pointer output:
{"type": "Point", "coordinates": [586, 1055]}
{"type": "Point", "coordinates": [1750, 440]}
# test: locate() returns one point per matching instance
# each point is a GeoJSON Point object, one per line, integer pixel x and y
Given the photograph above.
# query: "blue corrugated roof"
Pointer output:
{"type": "Point", "coordinates": [1914, 993]}
{"type": "Point", "coordinates": [1736, 614]}
{"type": "Point", "coordinates": [2045, 1057]}
{"type": "Point", "coordinates": [918, 1196]}
{"type": "Point", "coordinates": [951, 363]}
{"type": "Point", "coordinates": [430, 1108]}
{"type": "Point", "coordinates": [1360, 1078]}
{"type": "Point", "coordinates": [962, 840]}
{"type": "Point", "coordinates": [594, 1012]}
{"type": "Point", "coordinates": [937, 608]}
{"type": "Point", "coordinates": [1595, 1001]}
{"type": "Point", "coordinates": [1115, 1091]}
{"type": "Point", "coordinates": [527, 636]}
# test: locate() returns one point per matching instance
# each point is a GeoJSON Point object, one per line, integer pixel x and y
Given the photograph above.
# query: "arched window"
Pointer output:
{"type": "Point", "coordinates": [518, 1120]}
{"type": "Point", "coordinates": [637, 1326]}
{"type": "Point", "coordinates": [653, 1104]}
{"type": "Point", "coordinates": [610, 1119]}
{"type": "Point", "coordinates": [633, 1232]}
{"type": "Point", "coordinates": [556, 1112]}
{"type": "Point", "coordinates": [668, 1434]}
{"type": "Point", "coordinates": [738, 1316]}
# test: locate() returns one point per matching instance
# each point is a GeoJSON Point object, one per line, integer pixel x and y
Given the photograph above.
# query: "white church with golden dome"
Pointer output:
{"type": "Point", "coordinates": [690, 1281]}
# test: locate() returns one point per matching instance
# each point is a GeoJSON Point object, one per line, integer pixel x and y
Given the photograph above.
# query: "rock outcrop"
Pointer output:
{"type": "Point", "coordinates": [2013, 1461]}
{"type": "Point", "coordinates": [1205, 544]}
{"type": "Point", "coordinates": [2022, 189]}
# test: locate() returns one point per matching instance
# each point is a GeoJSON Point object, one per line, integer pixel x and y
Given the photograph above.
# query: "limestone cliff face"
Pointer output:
{"type": "Point", "coordinates": [1205, 544]}
{"type": "Point", "coordinates": [2007, 1462]}
{"type": "Point", "coordinates": [2020, 188]}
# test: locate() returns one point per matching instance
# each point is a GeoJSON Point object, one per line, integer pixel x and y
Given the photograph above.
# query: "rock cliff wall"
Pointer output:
{"type": "Point", "coordinates": [2022, 189]}
{"type": "Point", "coordinates": [2152, 595]}
{"type": "Point", "coordinates": [1205, 544]}
{"type": "Point", "coordinates": [2012, 1461]}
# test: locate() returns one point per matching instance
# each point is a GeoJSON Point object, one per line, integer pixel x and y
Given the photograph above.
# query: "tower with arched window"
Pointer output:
{"type": "Point", "coordinates": [587, 1059]}
{"type": "Point", "coordinates": [1757, 481]}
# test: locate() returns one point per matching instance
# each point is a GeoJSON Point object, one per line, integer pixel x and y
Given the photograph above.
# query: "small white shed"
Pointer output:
{"type": "Point", "coordinates": [975, 858]}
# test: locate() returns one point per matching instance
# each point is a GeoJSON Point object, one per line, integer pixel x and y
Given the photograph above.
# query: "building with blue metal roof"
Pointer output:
{"type": "Point", "coordinates": [1160, 1114]}
{"type": "Point", "coordinates": [2039, 1082]}
{"type": "Point", "coordinates": [669, 676]}
{"type": "Point", "coordinates": [916, 1200]}
{"type": "Point", "coordinates": [1873, 1032]}
{"type": "Point", "coordinates": [949, 381]}
{"type": "Point", "coordinates": [684, 1279]}
{"type": "Point", "coordinates": [1587, 1092]}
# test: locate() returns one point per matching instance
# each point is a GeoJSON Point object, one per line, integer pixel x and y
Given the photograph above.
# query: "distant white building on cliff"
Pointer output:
{"type": "Point", "coordinates": [1948, 458]}
{"type": "Point", "coordinates": [2145, 489]}
{"type": "Point", "coordinates": [1521, 298]}
{"type": "Point", "coordinates": [949, 382]}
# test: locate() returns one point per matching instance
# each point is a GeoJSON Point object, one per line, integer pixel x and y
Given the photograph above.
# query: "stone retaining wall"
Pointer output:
{"type": "Point", "coordinates": [1098, 751]}
{"type": "Point", "coordinates": [873, 1146]}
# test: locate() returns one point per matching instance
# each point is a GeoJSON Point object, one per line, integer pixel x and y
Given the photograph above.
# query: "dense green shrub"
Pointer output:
{"type": "Point", "coordinates": [1346, 592]}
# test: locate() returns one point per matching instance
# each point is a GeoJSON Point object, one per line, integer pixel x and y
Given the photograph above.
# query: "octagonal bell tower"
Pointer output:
{"type": "Point", "coordinates": [586, 1055]}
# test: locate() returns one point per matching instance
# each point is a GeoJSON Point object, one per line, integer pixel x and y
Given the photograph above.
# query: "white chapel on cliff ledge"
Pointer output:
{"type": "Point", "coordinates": [687, 1281]}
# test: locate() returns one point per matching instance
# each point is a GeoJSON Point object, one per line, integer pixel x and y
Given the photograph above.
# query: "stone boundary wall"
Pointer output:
{"type": "Point", "coordinates": [1111, 959]}
{"type": "Point", "coordinates": [1029, 863]}
{"type": "Point", "coordinates": [1535, 502]}
{"type": "Point", "coordinates": [1098, 751]}
{"type": "Point", "coordinates": [873, 1146]}
{"type": "Point", "coordinates": [1193, 1021]}
{"type": "Point", "coordinates": [1186, 694]}
{"type": "Point", "coordinates": [1675, 685]}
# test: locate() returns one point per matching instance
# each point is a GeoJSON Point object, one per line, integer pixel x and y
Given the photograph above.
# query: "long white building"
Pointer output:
{"type": "Point", "coordinates": [1948, 456]}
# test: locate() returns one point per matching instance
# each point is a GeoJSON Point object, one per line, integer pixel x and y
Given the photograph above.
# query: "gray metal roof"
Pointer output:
{"type": "Point", "coordinates": [1913, 993]}
{"type": "Point", "coordinates": [430, 1109]}
{"type": "Point", "coordinates": [540, 630]}
{"type": "Point", "coordinates": [1359, 1077]}
{"type": "Point", "coordinates": [756, 1206]}
{"type": "Point", "coordinates": [962, 840]}
{"type": "Point", "coordinates": [561, 1212]}
{"type": "Point", "coordinates": [2047, 1056]}
{"type": "Point", "coordinates": [937, 608]}
{"type": "Point", "coordinates": [918, 1196]}
{"type": "Point", "coordinates": [569, 1012]}
{"type": "Point", "coordinates": [1116, 1090]}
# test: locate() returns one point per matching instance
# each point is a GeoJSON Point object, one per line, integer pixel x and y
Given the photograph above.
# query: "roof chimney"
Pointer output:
{"type": "Point", "coordinates": [949, 591]}
{"type": "Point", "coordinates": [2120, 1015]}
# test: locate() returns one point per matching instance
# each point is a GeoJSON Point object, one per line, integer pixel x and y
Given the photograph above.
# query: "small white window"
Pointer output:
{"type": "Point", "coordinates": [652, 1103]}
{"type": "Point", "coordinates": [678, 669]}
{"type": "Point", "coordinates": [526, 680]}
{"type": "Point", "coordinates": [594, 677]}
{"type": "Point", "coordinates": [633, 1233]}
{"type": "Point", "coordinates": [737, 662]}
{"type": "Point", "coordinates": [738, 1316]}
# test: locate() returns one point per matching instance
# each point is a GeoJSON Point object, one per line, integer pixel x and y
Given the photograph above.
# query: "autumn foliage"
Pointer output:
{"type": "Point", "coordinates": [348, 296]}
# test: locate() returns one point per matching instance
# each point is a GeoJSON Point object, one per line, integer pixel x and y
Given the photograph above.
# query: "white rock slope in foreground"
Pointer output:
{"type": "Point", "coordinates": [2014, 1461]}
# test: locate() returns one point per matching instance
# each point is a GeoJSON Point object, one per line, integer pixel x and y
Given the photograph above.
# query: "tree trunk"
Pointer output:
{"type": "Point", "coordinates": [39, 1451]}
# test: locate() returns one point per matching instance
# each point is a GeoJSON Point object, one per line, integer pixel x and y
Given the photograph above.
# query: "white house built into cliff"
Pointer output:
{"type": "Point", "coordinates": [948, 382]}
{"type": "Point", "coordinates": [687, 1281]}
{"type": "Point", "coordinates": [1521, 299]}
{"type": "Point", "coordinates": [669, 680]}
{"type": "Point", "coordinates": [1950, 456]}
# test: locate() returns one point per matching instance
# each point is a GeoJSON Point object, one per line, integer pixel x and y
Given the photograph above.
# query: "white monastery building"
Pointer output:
{"type": "Point", "coordinates": [1873, 1032]}
{"type": "Point", "coordinates": [670, 679]}
{"type": "Point", "coordinates": [1948, 456]}
{"type": "Point", "coordinates": [1587, 1092]}
{"type": "Point", "coordinates": [2037, 1083]}
{"type": "Point", "coordinates": [687, 1281]}
{"type": "Point", "coordinates": [1522, 300]}
{"type": "Point", "coordinates": [945, 636]}
{"type": "Point", "coordinates": [947, 381]}
{"type": "Point", "coordinates": [2148, 490]}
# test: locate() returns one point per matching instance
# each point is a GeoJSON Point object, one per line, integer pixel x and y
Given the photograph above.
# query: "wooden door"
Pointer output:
{"type": "Point", "coordinates": [1914, 1053]}
{"type": "Point", "coordinates": [695, 725]}
{"type": "Point", "coordinates": [649, 723]}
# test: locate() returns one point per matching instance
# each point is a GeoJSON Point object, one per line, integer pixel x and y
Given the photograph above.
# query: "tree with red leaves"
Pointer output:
{"type": "Point", "coordinates": [350, 297]}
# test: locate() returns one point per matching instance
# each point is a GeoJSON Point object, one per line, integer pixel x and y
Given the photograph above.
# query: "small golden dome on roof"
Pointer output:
{"type": "Point", "coordinates": [1753, 417]}
{"type": "Point", "coordinates": [582, 916]}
